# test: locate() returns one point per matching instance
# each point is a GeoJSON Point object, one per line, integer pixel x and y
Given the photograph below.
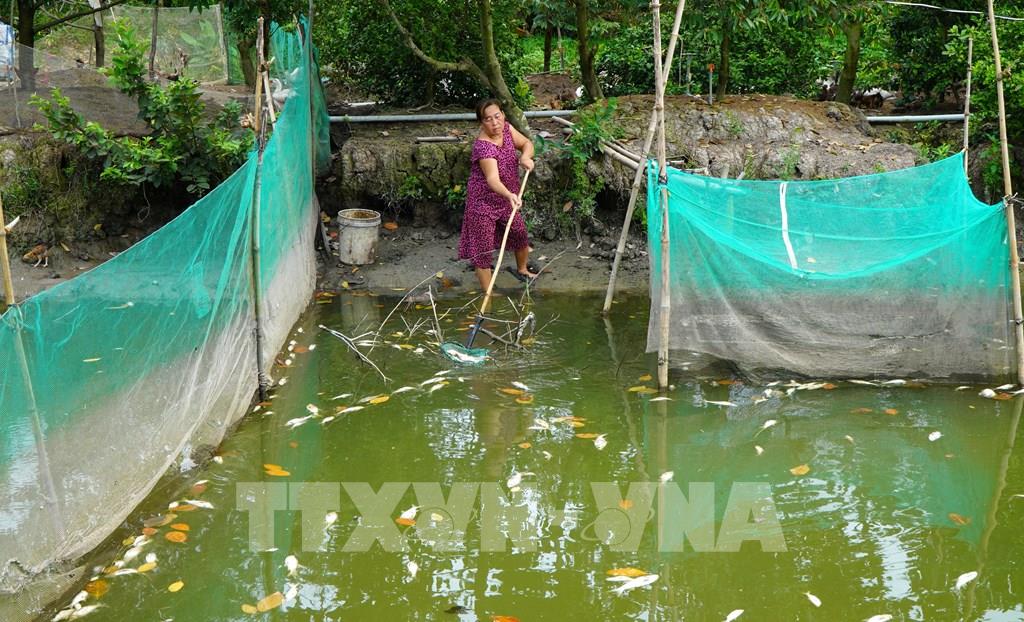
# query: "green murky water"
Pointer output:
{"type": "Point", "coordinates": [884, 521]}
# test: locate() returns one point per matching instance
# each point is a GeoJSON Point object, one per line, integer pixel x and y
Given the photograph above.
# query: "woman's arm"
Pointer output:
{"type": "Point", "coordinates": [525, 145]}
{"type": "Point", "coordinates": [489, 166]}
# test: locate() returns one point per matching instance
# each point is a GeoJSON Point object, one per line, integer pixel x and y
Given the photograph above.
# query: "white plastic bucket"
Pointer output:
{"type": "Point", "coordinates": [358, 230]}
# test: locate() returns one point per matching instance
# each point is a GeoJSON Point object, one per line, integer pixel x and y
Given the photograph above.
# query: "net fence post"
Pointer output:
{"type": "Point", "coordinates": [1011, 224]}
{"type": "Point", "coordinates": [659, 106]}
{"type": "Point", "coordinates": [967, 99]}
{"type": "Point", "coordinates": [254, 232]}
{"type": "Point", "coordinates": [640, 171]}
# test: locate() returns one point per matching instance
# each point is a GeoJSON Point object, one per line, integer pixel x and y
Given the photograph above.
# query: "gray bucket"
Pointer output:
{"type": "Point", "coordinates": [358, 230]}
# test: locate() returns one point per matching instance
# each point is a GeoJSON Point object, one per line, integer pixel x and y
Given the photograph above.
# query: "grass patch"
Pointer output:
{"type": "Point", "coordinates": [533, 54]}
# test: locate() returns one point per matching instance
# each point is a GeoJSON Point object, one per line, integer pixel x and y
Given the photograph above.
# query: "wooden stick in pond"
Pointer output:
{"type": "Point", "coordinates": [5, 260]}
{"type": "Point", "coordinates": [642, 169]}
{"type": "Point", "coordinates": [659, 105]}
{"type": "Point", "coordinates": [967, 99]}
{"type": "Point", "coordinates": [1011, 225]}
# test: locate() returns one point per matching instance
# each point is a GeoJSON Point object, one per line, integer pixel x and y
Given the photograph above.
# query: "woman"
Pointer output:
{"type": "Point", "coordinates": [492, 192]}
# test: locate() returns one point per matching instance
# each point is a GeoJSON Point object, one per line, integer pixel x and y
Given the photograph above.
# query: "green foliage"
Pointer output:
{"type": "Point", "coordinates": [183, 147]}
{"type": "Point", "coordinates": [455, 197]}
{"type": "Point", "coordinates": [366, 52]}
{"type": "Point", "coordinates": [532, 59]}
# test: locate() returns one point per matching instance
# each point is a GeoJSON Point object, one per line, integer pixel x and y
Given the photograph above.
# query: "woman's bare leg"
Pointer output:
{"type": "Point", "coordinates": [484, 276]}
{"type": "Point", "coordinates": [522, 255]}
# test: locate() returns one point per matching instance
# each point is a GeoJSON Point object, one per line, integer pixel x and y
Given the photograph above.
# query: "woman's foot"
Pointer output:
{"type": "Point", "coordinates": [525, 276]}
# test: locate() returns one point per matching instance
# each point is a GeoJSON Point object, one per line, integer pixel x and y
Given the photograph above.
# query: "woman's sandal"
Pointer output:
{"type": "Point", "coordinates": [520, 276]}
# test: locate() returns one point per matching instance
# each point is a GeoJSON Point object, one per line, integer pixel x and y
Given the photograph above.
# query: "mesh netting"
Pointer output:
{"type": "Point", "coordinates": [899, 273]}
{"type": "Point", "coordinates": [111, 378]}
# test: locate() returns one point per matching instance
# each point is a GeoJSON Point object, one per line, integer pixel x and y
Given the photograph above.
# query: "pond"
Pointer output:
{"type": "Point", "coordinates": [772, 500]}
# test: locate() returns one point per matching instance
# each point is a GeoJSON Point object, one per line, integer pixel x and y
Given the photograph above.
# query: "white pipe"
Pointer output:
{"type": "Point", "coordinates": [959, 116]}
{"type": "Point", "coordinates": [452, 116]}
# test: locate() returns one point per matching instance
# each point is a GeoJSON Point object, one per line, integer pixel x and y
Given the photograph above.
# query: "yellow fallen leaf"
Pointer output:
{"type": "Point", "coordinates": [97, 588]}
{"type": "Point", "coordinates": [408, 522]}
{"type": "Point", "coordinates": [510, 391]}
{"type": "Point", "coordinates": [959, 520]}
{"type": "Point", "coordinates": [577, 424]}
{"type": "Point", "coordinates": [176, 536]}
{"type": "Point", "coordinates": [250, 609]}
{"type": "Point", "coordinates": [626, 572]}
{"type": "Point", "coordinates": [803, 469]}
{"type": "Point", "coordinates": [181, 527]}
{"type": "Point", "coordinates": [149, 531]}
{"type": "Point", "coordinates": [504, 619]}
{"type": "Point", "coordinates": [270, 602]}
{"type": "Point", "coordinates": [272, 467]}
{"type": "Point", "coordinates": [380, 399]}
{"type": "Point", "coordinates": [524, 399]}
{"type": "Point", "coordinates": [586, 435]}
{"type": "Point", "coordinates": [638, 388]}
{"type": "Point", "coordinates": [147, 566]}
{"type": "Point", "coordinates": [646, 378]}
{"type": "Point", "coordinates": [891, 411]}
{"type": "Point", "coordinates": [277, 472]}
{"type": "Point", "coordinates": [526, 445]}
{"type": "Point", "coordinates": [176, 586]}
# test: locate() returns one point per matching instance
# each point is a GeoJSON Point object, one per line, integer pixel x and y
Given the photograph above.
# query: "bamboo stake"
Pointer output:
{"type": "Point", "coordinates": [5, 260]}
{"type": "Point", "coordinates": [659, 106]}
{"type": "Point", "coordinates": [262, 378]}
{"type": "Point", "coordinates": [638, 177]}
{"type": "Point", "coordinates": [258, 122]}
{"type": "Point", "coordinates": [1011, 225]}
{"type": "Point", "coordinates": [967, 98]}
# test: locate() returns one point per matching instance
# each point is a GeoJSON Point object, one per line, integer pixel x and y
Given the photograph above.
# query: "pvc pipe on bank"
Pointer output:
{"type": "Point", "coordinates": [918, 118]}
{"type": "Point", "coordinates": [448, 116]}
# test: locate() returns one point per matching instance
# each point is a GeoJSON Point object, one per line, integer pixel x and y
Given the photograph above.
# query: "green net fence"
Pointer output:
{"type": "Point", "coordinates": [112, 378]}
{"type": "Point", "coordinates": [895, 274]}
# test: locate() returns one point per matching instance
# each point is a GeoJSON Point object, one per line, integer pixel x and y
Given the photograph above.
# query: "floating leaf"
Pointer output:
{"type": "Point", "coordinates": [408, 522]}
{"type": "Point", "coordinates": [525, 445]}
{"type": "Point", "coordinates": [270, 602]}
{"type": "Point", "coordinates": [176, 536]}
{"type": "Point", "coordinates": [390, 226]}
{"type": "Point", "coordinates": [646, 378]}
{"type": "Point", "coordinates": [803, 469]}
{"type": "Point", "coordinates": [641, 389]}
{"type": "Point", "coordinates": [959, 520]}
{"type": "Point", "coordinates": [628, 571]}
{"type": "Point", "coordinates": [524, 399]}
{"type": "Point", "coordinates": [504, 619]}
{"type": "Point", "coordinates": [891, 411]}
{"type": "Point", "coordinates": [380, 399]}
{"type": "Point", "coordinates": [250, 609]}
{"type": "Point", "coordinates": [587, 435]}
{"type": "Point", "coordinates": [159, 520]}
{"type": "Point", "coordinates": [149, 531]}
{"type": "Point", "coordinates": [176, 586]}
{"type": "Point", "coordinates": [147, 567]}
{"type": "Point", "coordinates": [181, 527]}
{"type": "Point", "coordinates": [511, 391]}
{"type": "Point", "coordinates": [862, 411]}
{"type": "Point", "coordinates": [97, 588]}
{"type": "Point", "coordinates": [185, 507]}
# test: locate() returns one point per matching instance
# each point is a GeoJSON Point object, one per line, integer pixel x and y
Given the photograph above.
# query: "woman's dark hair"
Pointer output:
{"type": "Point", "coordinates": [484, 105]}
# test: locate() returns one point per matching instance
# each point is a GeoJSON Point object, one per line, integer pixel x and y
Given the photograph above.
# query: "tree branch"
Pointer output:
{"type": "Point", "coordinates": [68, 18]}
{"type": "Point", "coordinates": [465, 65]}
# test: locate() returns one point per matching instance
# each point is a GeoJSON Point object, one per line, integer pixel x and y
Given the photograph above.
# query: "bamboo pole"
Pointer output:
{"type": "Point", "coordinates": [262, 378]}
{"type": "Point", "coordinates": [257, 111]}
{"type": "Point", "coordinates": [5, 260]}
{"type": "Point", "coordinates": [659, 106]}
{"type": "Point", "coordinates": [638, 177]}
{"type": "Point", "coordinates": [1011, 225]}
{"type": "Point", "coordinates": [967, 98]}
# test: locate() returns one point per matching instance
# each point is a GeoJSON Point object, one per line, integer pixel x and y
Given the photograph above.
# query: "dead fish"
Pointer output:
{"type": "Point", "coordinates": [402, 390]}
{"type": "Point", "coordinates": [294, 423]}
{"type": "Point", "coordinates": [206, 505]}
{"type": "Point", "coordinates": [350, 409]}
{"type": "Point", "coordinates": [632, 584]}
{"type": "Point", "coordinates": [719, 403]}
{"type": "Point", "coordinates": [292, 564]}
{"type": "Point", "coordinates": [520, 385]}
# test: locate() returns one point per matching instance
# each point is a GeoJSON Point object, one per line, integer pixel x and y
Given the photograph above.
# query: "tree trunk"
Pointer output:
{"type": "Point", "coordinates": [27, 41]}
{"type": "Point", "coordinates": [853, 32]}
{"type": "Point", "coordinates": [495, 80]}
{"type": "Point", "coordinates": [548, 36]}
{"type": "Point", "coordinates": [723, 61]}
{"type": "Point", "coordinates": [246, 58]}
{"type": "Point", "coordinates": [97, 33]}
{"type": "Point", "coordinates": [587, 52]}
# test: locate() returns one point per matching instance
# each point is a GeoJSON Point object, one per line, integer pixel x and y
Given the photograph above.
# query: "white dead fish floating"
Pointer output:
{"type": "Point", "coordinates": [666, 476]}
{"type": "Point", "coordinates": [965, 578]}
{"type": "Point", "coordinates": [735, 613]}
{"type": "Point", "coordinates": [539, 424]}
{"type": "Point", "coordinates": [516, 479]}
{"type": "Point", "coordinates": [292, 564]}
{"type": "Point", "coordinates": [866, 383]}
{"type": "Point", "coordinates": [312, 409]}
{"type": "Point", "coordinates": [814, 599]}
{"type": "Point", "coordinates": [934, 436]}
{"type": "Point", "coordinates": [989, 393]}
{"type": "Point", "coordinates": [330, 518]}
{"type": "Point", "coordinates": [520, 385]}
{"type": "Point", "coordinates": [632, 584]}
{"type": "Point", "coordinates": [410, 514]}
{"type": "Point", "coordinates": [413, 568]}
{"type": "Point", "coordinates": [719, 403]}
{"type": "Point", "coordinates": [600, 442]}
{"type": "Point", "coordinates": [350, 409]}
{"type": "Point", "coordinates": [765, 426]}
{"type": "Point", "coordinates": [294, 423]}
{"type": "Point", "coordinates": [437, 386]}
{"type": "Point", "coordinates": [341, 397]}
{"type": "Point", "coordinates": [402, 390]}
{"type": "Point", "coordinates": [660, 398]}
{"type": "Point", "coordinates": [882, 617]}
